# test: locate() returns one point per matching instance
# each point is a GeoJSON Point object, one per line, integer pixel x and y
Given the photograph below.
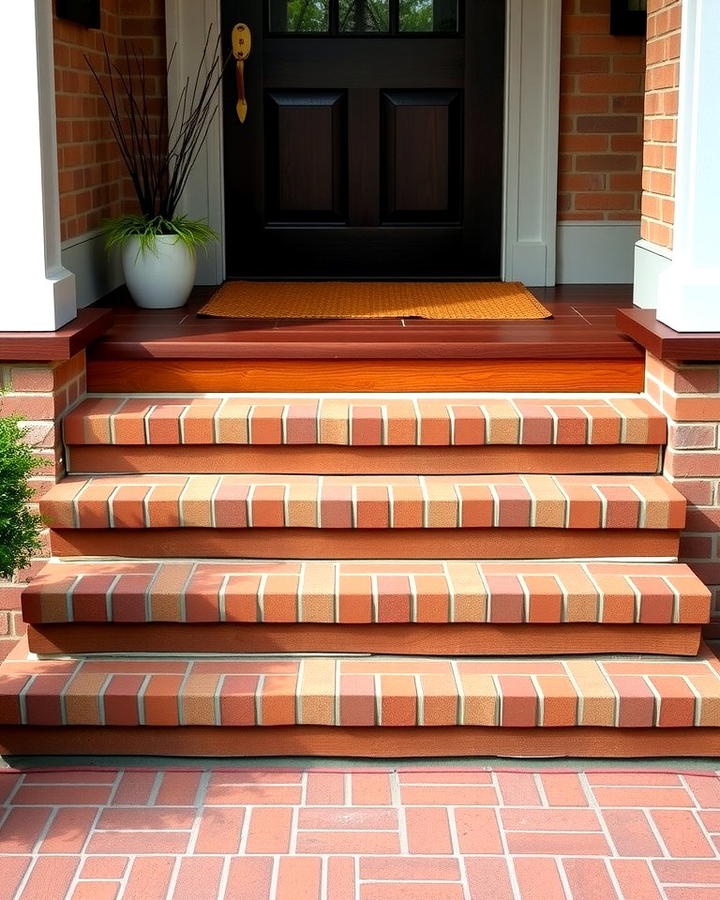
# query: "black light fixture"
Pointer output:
{"type": "Point", "coordinates": [82, 12]}
{"type": "Point", "coordinates": [628, 17]}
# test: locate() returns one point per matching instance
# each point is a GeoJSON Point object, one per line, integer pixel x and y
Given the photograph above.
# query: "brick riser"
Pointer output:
{"type": "Point", "coordinates": [315, 460]}
{"type": "Point", "coordinates": [328, 543]}
{"type": "Point", "coordinates": [370, 375]}
{"type": "Point", "coordinates": [424, 640]}
{"type": "Point", "coordinates": [367, 743]}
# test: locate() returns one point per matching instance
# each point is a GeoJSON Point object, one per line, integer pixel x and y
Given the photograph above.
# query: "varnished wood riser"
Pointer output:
{"type": "Point", "coordinates": [219, 375]}
{"type": "Point", "coordinates": [308, 740]}
{"type": "Point", "coordinates": [325, 543]}
{"type": "Point", "coordinates": [302, 460]}
{"type": "Point", "coordinates": [419, 640]}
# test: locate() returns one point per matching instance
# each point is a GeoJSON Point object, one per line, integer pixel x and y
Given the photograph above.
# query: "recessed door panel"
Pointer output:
{"type": "Point", "coordinates": [307, 166]}
{"type": "Point", "coordinates": [422, 156]}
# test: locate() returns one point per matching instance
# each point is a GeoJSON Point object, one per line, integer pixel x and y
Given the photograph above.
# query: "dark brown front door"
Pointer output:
{"type": "Point", "coordinates": [373, 140]}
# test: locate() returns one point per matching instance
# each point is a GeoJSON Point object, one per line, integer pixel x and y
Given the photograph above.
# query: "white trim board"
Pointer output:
{"type": "Point", "coordinates": [95, 273]}
{"type": "Point", "coordinates": [596, 252]}
{"type": "Point", "coordinates": [39, 294]}
{"type": "Point", "coordinates": [531, 135]}
{"type": "Point", "coordinates": [187, 23]}
{"type": "Point", "coordinates": [532, 109]}
{"type": "Point", "coordinates": [651, 261]}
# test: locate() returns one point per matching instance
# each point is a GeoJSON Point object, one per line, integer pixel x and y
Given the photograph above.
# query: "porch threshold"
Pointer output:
{"type": "Point", "coordinates": [579, 349]}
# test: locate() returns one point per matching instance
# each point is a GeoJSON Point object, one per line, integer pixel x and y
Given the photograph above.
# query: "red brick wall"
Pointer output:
{"type": "Point", "coordinates": [601, 106]}
{"type": "Point", "coordinates": [661, 103]}
{"type": "Point", "coordinates": [39, 393]}
{"type": "Point", "coordinates": [689, 394]}
{"type": "Point", "coordinates": [93, 185]}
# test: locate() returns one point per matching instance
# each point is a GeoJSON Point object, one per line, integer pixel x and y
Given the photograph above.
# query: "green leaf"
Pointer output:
{"type": "Point", "coordinates": [194, 233]}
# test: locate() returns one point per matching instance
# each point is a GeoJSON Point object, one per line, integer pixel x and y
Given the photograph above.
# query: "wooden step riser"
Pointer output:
{"type": "Point", "coordinates": [371, 375]}
{"type": "Point", "coordinates": [370, 742]}
{"type": "Point", "coordinates": [316, 460]}
{"type": "Point", "coordinates": [315, 543]}
{"type": "Point", "coordinates": [420, 640]}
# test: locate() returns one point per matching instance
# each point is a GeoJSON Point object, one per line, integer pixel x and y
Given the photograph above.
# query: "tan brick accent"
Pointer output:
{"type": "Point", "coordinates": [93, 184]}
{"type": "Point", "coordinates": [661, 105]}
{"type": "Point", "coordinates": [601, 106]}
{"type": "Point", "coordinates": [690, 396]}
{"type": "Point", "coordinates": [39, 393]}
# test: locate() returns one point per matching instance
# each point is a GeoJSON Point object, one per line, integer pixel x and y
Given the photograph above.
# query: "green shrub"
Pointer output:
{"type": "Point", "coordinates": [19, 528]}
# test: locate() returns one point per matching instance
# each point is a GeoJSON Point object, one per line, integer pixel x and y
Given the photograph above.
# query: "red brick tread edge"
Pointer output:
{"type": "Point", "coordinates": [363, 592]}
{"type": "Point", "coordinates": [365, 421]}
{"type": "Point", "coordinates": [618, 692]}
{"type": "Point", "coordinates": [364, 502]}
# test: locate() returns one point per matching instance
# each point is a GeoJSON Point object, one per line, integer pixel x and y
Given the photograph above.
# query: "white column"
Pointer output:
{"type": "Point", "coordinates": [689, 291]}
{"type": "Point", "coordinates": [37, 293]}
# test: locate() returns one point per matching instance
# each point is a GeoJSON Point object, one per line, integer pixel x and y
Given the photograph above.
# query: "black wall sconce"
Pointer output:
{"type": "Point", "coordinates": [82, 12]}
{"type": "Point", "coordinates": [628, 17]}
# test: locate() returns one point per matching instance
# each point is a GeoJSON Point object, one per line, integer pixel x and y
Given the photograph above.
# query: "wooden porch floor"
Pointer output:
{"type": "Point", "coordinates": [580, 349]}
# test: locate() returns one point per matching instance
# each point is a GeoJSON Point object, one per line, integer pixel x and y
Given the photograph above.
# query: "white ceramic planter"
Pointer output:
{"type": "Point", "coordinates": [159, 278]}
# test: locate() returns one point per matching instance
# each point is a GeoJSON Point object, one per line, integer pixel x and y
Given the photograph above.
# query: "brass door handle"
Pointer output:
{"type": "Point", "coordinates": [241, 48]}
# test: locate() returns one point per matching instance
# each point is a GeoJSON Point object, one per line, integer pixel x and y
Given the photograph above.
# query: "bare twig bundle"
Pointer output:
{"type": "Point", "coordinates": [160, 150]}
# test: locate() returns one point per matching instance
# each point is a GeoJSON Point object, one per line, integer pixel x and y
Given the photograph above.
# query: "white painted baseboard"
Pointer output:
{"type": "Point", "coordinates": [651, 261]}
{"type": "Point", "coordinates": [596, 252]}
{"type": "Point", "coordinates": [95, 273]}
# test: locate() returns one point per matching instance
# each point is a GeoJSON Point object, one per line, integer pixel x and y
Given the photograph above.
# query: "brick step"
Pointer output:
{"type": "Point", "coordinates": [338, 517]}
{"type": "Point", "coordinates": [364, 502]}
{"type": "Point", "coordinates": [625, 706]}
{"type": "Point", "coordinates": [430, 607]}
{"type": "Point", "coordinates": [301, 434]}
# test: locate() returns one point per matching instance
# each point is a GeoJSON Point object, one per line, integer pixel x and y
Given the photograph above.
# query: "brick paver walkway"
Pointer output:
{"type": "Point", "coordinates": [359, 834]}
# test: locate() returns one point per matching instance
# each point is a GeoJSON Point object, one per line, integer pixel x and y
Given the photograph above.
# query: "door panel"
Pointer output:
{"type": "Point", "coordinates": [373, 141]}
{"type": "Point", "coordinates": [305, 141]}
{"type": "Point", "coordinates": [423, 155]}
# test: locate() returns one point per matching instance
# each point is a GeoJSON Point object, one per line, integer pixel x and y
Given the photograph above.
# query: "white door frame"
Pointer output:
{"type": "Point", "coordinates": [532, 93]}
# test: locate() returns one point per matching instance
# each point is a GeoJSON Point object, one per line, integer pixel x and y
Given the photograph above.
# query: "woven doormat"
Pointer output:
{"type": "Point", "coordinates": [374, 300]}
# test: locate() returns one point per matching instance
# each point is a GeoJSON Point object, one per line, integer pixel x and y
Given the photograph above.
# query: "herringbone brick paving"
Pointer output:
{"type": "Point", "coordinates": [352, 834]}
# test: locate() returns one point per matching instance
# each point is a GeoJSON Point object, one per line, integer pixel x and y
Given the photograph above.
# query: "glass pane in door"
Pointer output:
{"type": "Point", "coordinates": [300, 16]}
{"type": "Point", "coordinates": [364, 16]}
{"type": "Point", "coordinates": [429, 15]}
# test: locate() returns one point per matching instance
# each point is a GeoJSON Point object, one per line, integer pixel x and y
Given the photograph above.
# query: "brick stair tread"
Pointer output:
{"type": "Point", "coordinates": [622, 692]}
{"type": "Point", "coordinates": [365, 592]}
{"type": "Point", "coordinates": [373, 420]}
{"type": "Point", "coordinates": [364, 502]}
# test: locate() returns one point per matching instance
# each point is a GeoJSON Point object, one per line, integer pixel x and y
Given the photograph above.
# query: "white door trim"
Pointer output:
{"type": "Point", "coordinates": [187, 25]}
{"type": "Point", "coordinates": [532, 79]}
